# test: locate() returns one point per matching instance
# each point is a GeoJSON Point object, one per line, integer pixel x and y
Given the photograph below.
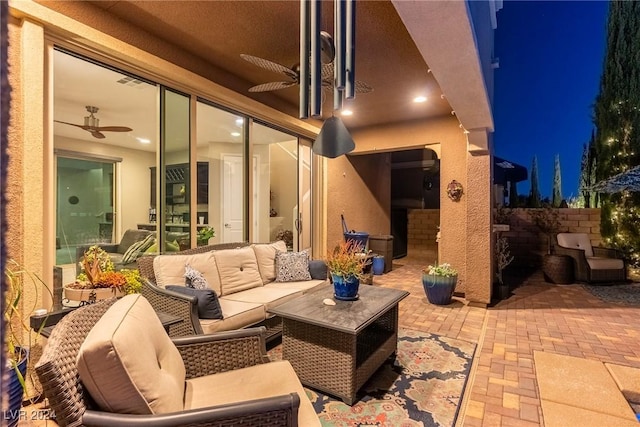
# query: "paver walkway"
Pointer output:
{"type": "Point", "coordinates": [562, 319]}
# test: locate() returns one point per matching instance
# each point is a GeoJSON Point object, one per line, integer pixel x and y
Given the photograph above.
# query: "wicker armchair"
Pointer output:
{"type": "Point", "coordinates": [202, 355]}
{"type": "Point", "coordinates": [591, 263]}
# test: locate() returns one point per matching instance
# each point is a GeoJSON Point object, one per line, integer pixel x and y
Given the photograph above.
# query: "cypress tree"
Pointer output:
{"type": "Point", "coordinates": [534, 194]}
{"type": "Point", "coordinates": [617, 120]}
{"type": "Point", "coordinates": [588, 173]}
{"type": "Point", "coordinates": [513, 195]}
{"type": "Point", "coordinates": [557, 183]}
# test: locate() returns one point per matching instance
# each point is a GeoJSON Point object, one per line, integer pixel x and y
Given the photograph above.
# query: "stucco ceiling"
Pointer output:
{"type": "Point", "coordinates": [219, 31]}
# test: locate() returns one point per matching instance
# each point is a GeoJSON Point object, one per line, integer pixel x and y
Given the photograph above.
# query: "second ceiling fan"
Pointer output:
{"type": "Point", "coordinates": [92, 124]}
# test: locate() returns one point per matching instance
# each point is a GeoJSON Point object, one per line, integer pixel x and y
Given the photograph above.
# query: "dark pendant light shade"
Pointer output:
{"type": "Point", "coordinates": [334, 139]}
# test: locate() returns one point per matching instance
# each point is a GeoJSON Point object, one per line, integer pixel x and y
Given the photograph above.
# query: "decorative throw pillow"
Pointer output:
{"type": "Point", "coordinates": [137, 249]}
{"type": "Point", "coordinates": [292, 266]}
{"type": "Point", "coordinates": [195, 279]}
{"type": "Point", "coordinates": [208, 304]}
{"type": "Point", "coordinates": [318, 269]}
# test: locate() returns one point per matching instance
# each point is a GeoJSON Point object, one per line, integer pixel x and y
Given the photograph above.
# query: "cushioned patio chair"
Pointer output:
{"type": "Point", "coordinates": [591, 263]}
{"type": "Point", "coordinates": [112, 363]}
{"type": "Point", "coordinates": [117, 251]}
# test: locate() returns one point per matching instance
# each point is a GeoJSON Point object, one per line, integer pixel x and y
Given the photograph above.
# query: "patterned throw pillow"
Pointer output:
{"type": "Point", "coordinates": [137, 249]}
{"type": "Point", "coordinates": [195, 279]}
{"type": "Point", "coordinates": [292, 266]}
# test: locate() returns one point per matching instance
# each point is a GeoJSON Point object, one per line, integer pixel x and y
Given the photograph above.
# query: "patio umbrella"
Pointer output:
{"type": "Point", "coordinates": [629, 180]}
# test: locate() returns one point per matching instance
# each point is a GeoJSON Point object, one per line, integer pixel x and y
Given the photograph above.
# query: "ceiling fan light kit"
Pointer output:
{"type": "Point", "coordinates": [92, 124]}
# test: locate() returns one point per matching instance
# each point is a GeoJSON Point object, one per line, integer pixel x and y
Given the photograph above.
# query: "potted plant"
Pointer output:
{"type": "Point", "coordinates": [204, 234]}
{"type": "Point", "coordinates": [98, 279]}
{"type": "Point", "coordinates": [439, 282]}
{"type": "Point", "coordinates": [19, 339]}
{"type": "Point", "coordinates": [346, 264]}
{"type": "Point", "coordinates": [503, 259]}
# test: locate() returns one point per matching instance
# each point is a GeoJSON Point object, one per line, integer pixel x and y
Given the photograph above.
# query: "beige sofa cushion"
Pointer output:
{"type": "Point", "coordinates": [304, 286]}
{"type": "Point", "coordinates": [576, 241]}
{"type": "Point", "coordinates": [169, 269]}
{"type": "Point", "coordinates": [237, 315]}
{"type": "Point", "coordinates": [266, 295]}
{"type": "Point", "coordinates": [254, 382]}
{"type": "Point", "coordinates": [238, 270]}
{"type": "Point", "coordinates": [266, 256]}
{"type": "Point", "coordinates": [129, 364]}
{"type": "Point", "coordinates": [601, 263]}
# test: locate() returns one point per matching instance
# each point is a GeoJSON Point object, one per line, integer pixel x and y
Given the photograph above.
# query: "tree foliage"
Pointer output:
{"type": "Point", "coordinates": [557, 183]}
{"type": "Point", "coordinates": [588, 174]}
{"type": "Point", "coordinates": [617, 120]}
{"type": "Point", "coordinates": [534, 193]}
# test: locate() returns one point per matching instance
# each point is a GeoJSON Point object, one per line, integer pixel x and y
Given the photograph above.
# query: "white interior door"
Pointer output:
{"type": "Point", "coordinates": [232, 198]}
{"type": "Point", "coordinates": [304, 197]}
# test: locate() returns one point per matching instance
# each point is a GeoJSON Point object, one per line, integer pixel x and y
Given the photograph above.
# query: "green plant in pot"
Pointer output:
{"type": "Point", "coordinates": [21, 341]}
{"type": "Point", "coordinates": [439, 282]}
{"type": "Point", "coordinates": [346, 264]}
{"type": "Point", "coordinates": [99, 280]}
{"type": "Point", "coordinates": [204, 234]}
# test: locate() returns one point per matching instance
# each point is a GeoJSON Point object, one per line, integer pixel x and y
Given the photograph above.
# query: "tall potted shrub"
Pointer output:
{"type": "Point", "coordinates": [20, 341]}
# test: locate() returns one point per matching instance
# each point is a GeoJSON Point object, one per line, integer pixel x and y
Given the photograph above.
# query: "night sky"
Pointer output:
{"type": "Point", "coordinates": [551, 56]}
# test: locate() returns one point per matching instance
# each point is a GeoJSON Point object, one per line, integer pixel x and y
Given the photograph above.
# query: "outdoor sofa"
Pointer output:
{"type": "Point", "coordinates": [112, 363]}
{"type": "Point", "coordinates": [243, 277]}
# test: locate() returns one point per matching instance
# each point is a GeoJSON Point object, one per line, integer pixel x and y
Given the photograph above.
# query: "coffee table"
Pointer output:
{"type": "Point", "coordinates": [335, 349]}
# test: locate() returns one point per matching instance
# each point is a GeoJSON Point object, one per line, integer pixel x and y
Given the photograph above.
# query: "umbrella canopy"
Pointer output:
{"type": "Point", "coordinates": [629, 180]}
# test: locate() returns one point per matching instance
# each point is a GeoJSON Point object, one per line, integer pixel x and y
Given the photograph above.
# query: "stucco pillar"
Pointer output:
{"type": "Point", "coordinates": [452, 248]}
{"type": "Point", "coordinates": [478, 219]}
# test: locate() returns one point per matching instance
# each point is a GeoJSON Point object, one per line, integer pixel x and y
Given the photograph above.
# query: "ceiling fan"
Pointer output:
{"type": "Point", "coordinates": [92, 124]}
{"type": "Point", "coordinates": [328, 54]}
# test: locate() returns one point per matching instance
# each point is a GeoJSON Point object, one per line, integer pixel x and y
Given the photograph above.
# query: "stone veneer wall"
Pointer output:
{"type": "Point", "coordinates": [422, 228]}
{"type": "Point", "coordinates": [528, 245]}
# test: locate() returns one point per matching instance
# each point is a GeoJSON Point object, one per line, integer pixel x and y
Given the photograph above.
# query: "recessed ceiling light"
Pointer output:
{"type": "Point", "coordinates": [144, 140]}
{"type": "Point", "coordinates": [235, 133]}
{"type": "Point", "coordinates": [347, 112]}
{"type": "Point", "coordinates": [420, 99]}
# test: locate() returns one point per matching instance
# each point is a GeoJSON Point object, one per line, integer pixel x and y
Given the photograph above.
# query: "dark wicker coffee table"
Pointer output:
{"type": "Point", "coordinates": [335, 349]}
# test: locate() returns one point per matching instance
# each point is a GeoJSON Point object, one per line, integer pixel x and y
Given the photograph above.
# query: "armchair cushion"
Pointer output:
{"type": "Point", "coordinates": [208, 304]}
{"type": "Point", "coordinates": [250, 383]}
{"type": "Point", "coordinates": [137, 249]}
{"type": "Point", "coordinates": [113, 361]}
{"type": "Point", "coordinates": [576, 241]}
{"type": "Point", "coordinates": [600, 263]}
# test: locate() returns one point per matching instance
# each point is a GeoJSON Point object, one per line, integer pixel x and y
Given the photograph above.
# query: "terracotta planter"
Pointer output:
{"type": "Point", "coordinates": [91, 295]}
{"type": "Point", "coordinates": [439, 289]}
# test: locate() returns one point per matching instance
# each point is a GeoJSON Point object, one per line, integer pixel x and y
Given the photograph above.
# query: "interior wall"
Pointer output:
{"type": "Point", "coordinates": [134, 189]}
{"type": "Point", "coordinates": [284, 185]}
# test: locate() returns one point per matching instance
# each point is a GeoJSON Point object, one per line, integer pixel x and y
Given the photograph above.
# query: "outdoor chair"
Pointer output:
{"type": "Point", "coordinates": [591, 263]}
{"type": "Point", "coordinates": [112, 363]}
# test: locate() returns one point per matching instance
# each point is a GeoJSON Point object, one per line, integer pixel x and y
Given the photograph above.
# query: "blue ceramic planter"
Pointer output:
{"type": "Point", "coordinates": [14, 391]}
{"type": "Point", "coordinates": [439, 289]}
{"type": "Point", "coordinates": [378, 265]}
{"type": "Point", "coordinates": [345, 289]}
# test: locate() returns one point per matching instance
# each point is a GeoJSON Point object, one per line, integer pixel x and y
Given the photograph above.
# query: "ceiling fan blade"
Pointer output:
{"type": "Point", "coordinates": [113, 129]}
{"type": "Point", "coordinates": [269, 65]}
{"type": "Point", "coordinates": [327, 71]}
{"type": "Point", "coordinates": [271, 86]}
{"type": "Point", "coordinates": [73, 124]}
{"type": "Point", "coordinates": [362, 87]}
{"type": "Point", "coordinates": [97, 134]}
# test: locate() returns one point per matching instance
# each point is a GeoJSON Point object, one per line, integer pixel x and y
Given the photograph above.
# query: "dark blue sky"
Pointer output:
{"type": "Point", "coordinates": [551, 56]}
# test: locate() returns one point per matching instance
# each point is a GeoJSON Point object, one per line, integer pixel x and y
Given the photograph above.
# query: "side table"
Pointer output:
{"type": "Point", "coordinates": [558, 269]}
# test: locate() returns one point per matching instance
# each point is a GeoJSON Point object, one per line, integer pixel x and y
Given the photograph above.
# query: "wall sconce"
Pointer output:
{"type": "Point", "coordinates": [454, 190]}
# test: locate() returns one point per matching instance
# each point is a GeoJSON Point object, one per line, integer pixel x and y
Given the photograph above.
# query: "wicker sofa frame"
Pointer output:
{"type": "Point", "coordinates": [185, 307]}
{"type": "Point", "coordinates": [202, 355]}
{"type": "Point", "coordinates": [583, 272]}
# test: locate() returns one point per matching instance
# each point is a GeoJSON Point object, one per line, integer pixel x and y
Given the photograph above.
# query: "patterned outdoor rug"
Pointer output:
{"type": "Point", "coordinates": [626, 293]}
{"type": "Point", "coordinates": [422, 388]}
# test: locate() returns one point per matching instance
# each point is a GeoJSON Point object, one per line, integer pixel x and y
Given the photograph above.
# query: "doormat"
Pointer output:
{"type": "Point", "coordinates": [423, 386]}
